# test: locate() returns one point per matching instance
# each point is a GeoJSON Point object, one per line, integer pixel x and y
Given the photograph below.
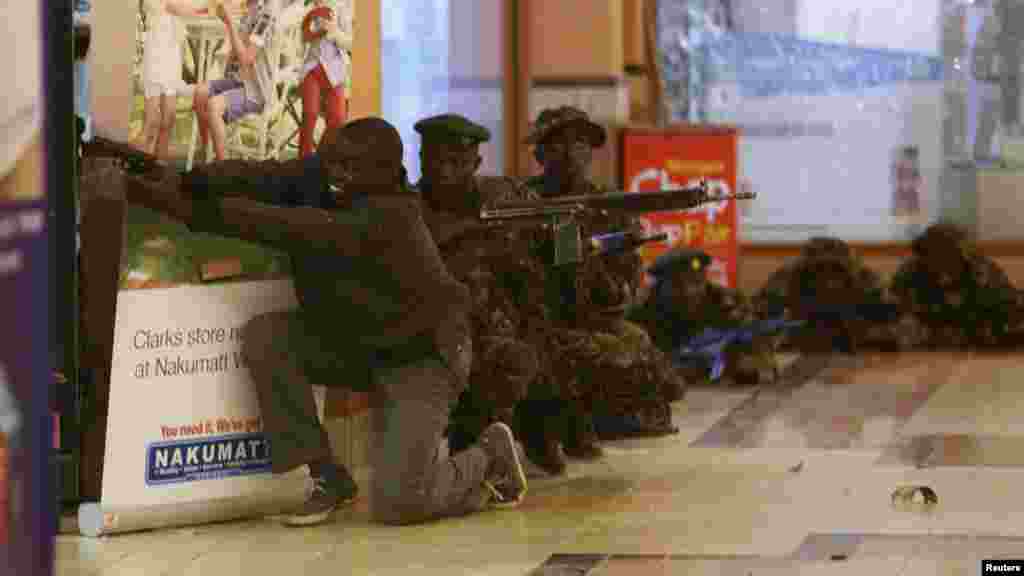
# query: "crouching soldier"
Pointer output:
{"type": "Point", "coordinates": [960, 297]}
{"type": "Point", "coordinates": [683, 304]}
{"type": "Point", "coordinates": [378, 310]}
{"type": "Point", "coordinates": [599, 365]}
{"type": "Point", "coordinates": [486, 261]}
{"type": "Point", "coordinates": [843, 304]}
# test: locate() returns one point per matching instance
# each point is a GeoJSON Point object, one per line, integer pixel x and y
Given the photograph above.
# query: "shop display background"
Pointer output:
{"type": "Point", "coordinates": [664, 159]}
{"type": "Point", "coordinates": [857, 85]}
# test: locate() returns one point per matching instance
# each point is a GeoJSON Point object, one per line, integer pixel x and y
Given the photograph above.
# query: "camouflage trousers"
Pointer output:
{"type": "Point", "coordinates": [633, 384]}
{"type": "Point", "coordinates": [597, 385]}
{"type": "Point", "coordinates": [502, 372]}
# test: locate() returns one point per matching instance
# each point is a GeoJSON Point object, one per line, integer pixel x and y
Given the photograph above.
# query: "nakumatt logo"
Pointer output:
{"type": "Point", "coordinates": [192, 460]}
{"type": "Point", "coordinates": [662, 181]}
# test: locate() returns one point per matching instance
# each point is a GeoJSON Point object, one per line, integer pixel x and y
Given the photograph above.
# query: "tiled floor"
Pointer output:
{"type": "Point", "coordinates": [792, 480]}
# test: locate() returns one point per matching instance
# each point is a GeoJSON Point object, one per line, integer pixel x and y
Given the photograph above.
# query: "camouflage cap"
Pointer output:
{"type": "Point", "coordinates": [452, 128]}
{"type": "Point", "coordinates": [819, 247]}
{"type": "Point", "coordinates": [552, 120]}
{"type": "Point", "coordinates": [679, 260]}
{"type": "Point", "coordinates": [942, 238]}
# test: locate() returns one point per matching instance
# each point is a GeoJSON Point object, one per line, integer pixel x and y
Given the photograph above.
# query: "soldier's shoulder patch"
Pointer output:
{"type": "Point", "coordinates": [987, 271]}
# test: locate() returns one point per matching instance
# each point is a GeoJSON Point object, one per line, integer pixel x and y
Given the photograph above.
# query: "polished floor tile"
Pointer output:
{"type": "Point", "coordinates": [792, 479]}
{"type": "Point", "coordinates": [982, 399]}
{"type": "Point", "coordinates": [858, 403]}
{"type": "Point", "coordinates": [957, 450]}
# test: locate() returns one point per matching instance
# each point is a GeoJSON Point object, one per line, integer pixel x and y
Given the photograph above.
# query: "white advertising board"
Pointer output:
{"type": "Point", "coordinates": [184, 437]}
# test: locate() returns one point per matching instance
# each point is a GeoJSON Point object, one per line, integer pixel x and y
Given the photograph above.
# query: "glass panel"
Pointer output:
{"type": "Point", "coordinates": [841, 105]}
{"type": "Point", "coordinates": [447, 58]}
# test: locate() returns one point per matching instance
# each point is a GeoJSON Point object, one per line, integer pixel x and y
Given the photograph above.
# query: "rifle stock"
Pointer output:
{"type": "Point", "coordinates": [621, 242]}
{"type": "Point", "coordinates": [711, 345]}
{"type": "Point", "coordinates": [132, 159]}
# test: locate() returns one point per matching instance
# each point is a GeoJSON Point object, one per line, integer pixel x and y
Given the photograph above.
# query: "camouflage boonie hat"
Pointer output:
{"type": "Point", "coordinates": [551, 120]}
{"type": "Point", "coordinates": [679, 260]}
{"type": "Point", "coordinates": [942, 238]}
{"type": "Point", "coordinates": [820, 247]}
{"type": "Point", "coordinates": [452, 128]}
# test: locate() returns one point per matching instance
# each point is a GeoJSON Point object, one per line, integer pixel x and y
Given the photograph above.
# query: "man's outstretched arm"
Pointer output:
{"type": "Point", "coordinates": [280, 183]}
{"type": "Point", "coordinates": [269, 214]}
{"type": "Point", "coordinates": [161, 193]}
{"type": "Point", "coordinates": [284, 228]}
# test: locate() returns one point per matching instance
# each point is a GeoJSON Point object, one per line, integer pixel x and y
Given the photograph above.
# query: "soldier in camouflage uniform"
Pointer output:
{"type": "Point", "coordinates": [683, 303]}
{"type": "Point", "coordinates": [772, 298]}
{"type": "Point", "coordinates": [598, 362]}
{"type": "Point", "coordinates": [959, 297]}
{"type": "Point", "coordinates": [484, 259]}
{"type": "Point", "coordinates": [828, 286]}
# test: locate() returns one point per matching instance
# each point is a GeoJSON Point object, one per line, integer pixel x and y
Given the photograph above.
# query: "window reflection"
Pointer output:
{"type": "Point", "coordinates": [439, 60]}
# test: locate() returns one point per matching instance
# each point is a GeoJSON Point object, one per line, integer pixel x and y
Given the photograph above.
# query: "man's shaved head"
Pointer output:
{"type": "Point", "coordinates": [363, 153]}
{"type": "Point", "coordinates": [373, 133]}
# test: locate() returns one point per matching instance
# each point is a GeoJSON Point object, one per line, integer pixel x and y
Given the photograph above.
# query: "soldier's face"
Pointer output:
{"type": "Point", "coordinates": [689, 289]}
{"type": "Point", "coordinates": [450, 166]}
{"type": "Point", "coordinates": [944, 267]}
{"type": "Point", "coordinates": [568, 151]}
{"type": "Point", "coordinates": [354, 166]}
{"type": "Point", "coordinates": [828, 283]}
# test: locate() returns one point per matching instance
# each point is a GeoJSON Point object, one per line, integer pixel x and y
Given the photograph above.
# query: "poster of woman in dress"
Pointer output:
{"type": "Point", "coordinates": [195, 100]}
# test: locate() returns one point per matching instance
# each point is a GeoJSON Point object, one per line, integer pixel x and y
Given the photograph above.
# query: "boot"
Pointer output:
{"type": "Point", "coordinates": [582, 442]}
{"type": "Point", "coordinates": [542, 443]}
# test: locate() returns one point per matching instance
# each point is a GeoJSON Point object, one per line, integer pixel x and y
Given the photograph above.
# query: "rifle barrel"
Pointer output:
{"type": "Point", "coordinates": [635, 202]}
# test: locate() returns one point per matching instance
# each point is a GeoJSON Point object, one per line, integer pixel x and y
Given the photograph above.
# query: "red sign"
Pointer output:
{"type": "Point", "coordinates": [665, 159]}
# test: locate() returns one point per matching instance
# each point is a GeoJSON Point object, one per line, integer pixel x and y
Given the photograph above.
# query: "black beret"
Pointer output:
{"type": "Point", "coordinates": [679, 260]}
{"type": "Point", "coordinates": [453, 128]}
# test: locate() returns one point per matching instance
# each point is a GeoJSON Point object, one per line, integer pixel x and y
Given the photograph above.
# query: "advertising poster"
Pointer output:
{"type": "Point", "coordinates": [182, 44]}
{"type": "Point", "coordinates": [659, 160]}
{"type": "Point", "coordinates": [184, 441]}
{"type": "Point", "coordinates": [26, 496]}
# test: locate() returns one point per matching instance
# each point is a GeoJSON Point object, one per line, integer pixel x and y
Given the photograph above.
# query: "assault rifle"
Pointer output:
{"type": "Point", "coordinates": [710, 345]}
{"type": "Point", "coordinates": [131, 159]}
{"type": "Point", "coordinates": [561, 215]}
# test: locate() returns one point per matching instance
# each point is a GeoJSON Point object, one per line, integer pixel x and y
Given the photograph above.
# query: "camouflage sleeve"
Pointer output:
{"type": "Point", "coordinates": [995, 289]}
{"type": "Point", "coordinates": [871, 284]}
{"type": "Point", "coordinates": [900, 285]}
{"type": "Point", "coordinates": [988, 273]}
{"type": "Point", "coordinates": [770, 300]}
{"type": "Point", "coordinates": [731, 308]}
{"type": "Point", "coordinates": [646, 317]}
{"type": "Point", "coordinates": [498, 189]}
